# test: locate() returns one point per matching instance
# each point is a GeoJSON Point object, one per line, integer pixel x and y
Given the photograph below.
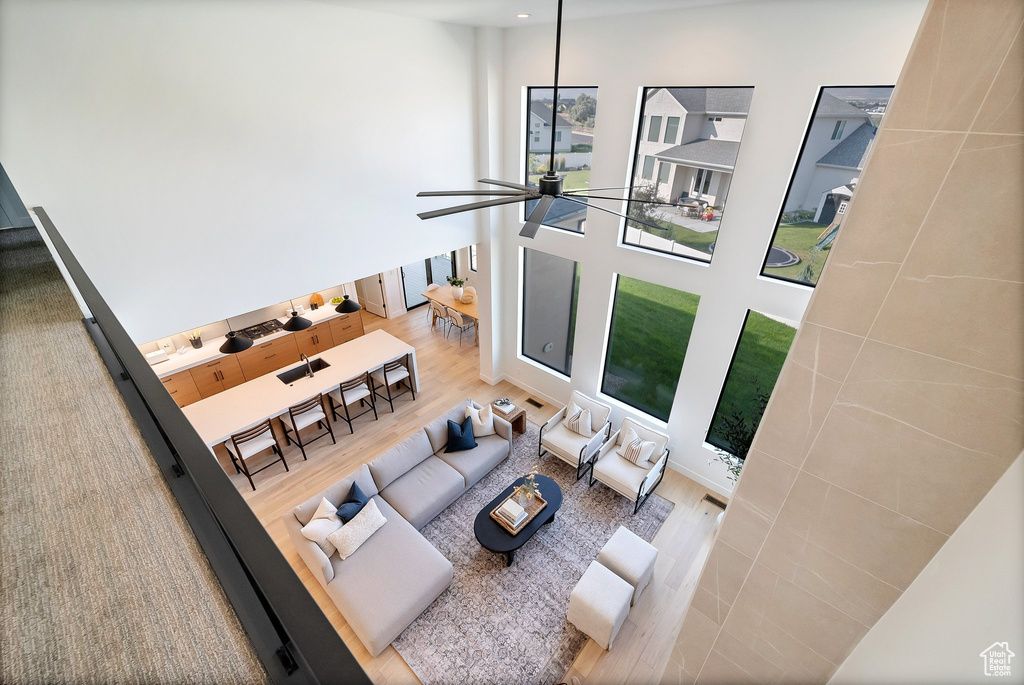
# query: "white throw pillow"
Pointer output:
{"type": "Point", "coordinates": [636, 449]}
{"type": "Point", "coordinates": [350, 536]}
{"type": "Point", "coordinates": [324, 522]}
{"type": "Point", "coordinates": [483, 420]}
{"type": "Point", "coordinates": [578, 420]}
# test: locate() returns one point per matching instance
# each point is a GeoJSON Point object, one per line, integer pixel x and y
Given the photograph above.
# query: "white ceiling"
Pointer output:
{"type": "Point", "coordinates": [503, 12]}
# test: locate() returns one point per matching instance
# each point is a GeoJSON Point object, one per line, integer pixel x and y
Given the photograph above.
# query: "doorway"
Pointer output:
{"type": "Point", "coordinates": [418, 275]}
{"type": "Point", "coordinates": [370, 291]}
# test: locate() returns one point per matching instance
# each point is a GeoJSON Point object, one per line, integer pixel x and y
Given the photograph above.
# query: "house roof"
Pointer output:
{"type": "Point", "coordinates": [543, 112]}
{"type": "Point", "coordinates": [703, 152]}
{"type": "Point", "coordinates": [717, 100]}
{"type": "Point", "coordinates": [831, 106]}
{"type": "Point", "coordinates": [850, 152]}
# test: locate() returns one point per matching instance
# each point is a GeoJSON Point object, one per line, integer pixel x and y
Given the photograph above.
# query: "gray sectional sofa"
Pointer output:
{"type": "Point", "coordinates": [397, 573]}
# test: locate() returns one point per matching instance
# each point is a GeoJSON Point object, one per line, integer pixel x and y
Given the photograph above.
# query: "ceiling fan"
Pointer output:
{"type": "Point", "coordinates": [549, 188]}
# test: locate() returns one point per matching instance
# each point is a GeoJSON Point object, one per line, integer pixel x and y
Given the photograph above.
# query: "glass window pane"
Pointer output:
{"type": "Point", "coordinates": [574, 145]}
{"type": "Point", "coordinates": [472, 257]}
{"type": "Point", "coordinates": [697, 171]}
{"type": "Point", "coordinates": [760, 352]}
{"type": "Point", "coordinates": [650, 329]}
{"type": "Point", "coordinates": [414, 283]}
{"type": "Point", "coordinates": [655, 130]}
{"type": "Point", "coordinates": [648, 172]}
{"type": "Point", "coordinates": [550, 291]}
{"type": "Point", "coordinates": [671, 129]}
{"type": "Point", "coordinates": [835, 146]}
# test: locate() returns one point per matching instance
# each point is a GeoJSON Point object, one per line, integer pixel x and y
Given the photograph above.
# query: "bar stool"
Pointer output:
{"type": "Point", "coordinates": [393, 373]}
{"type": "Point", "coordinates": [306, 414]}
{"type": "Point", "coordinates": [458, 322]}
{"type": "Point", "coordinates": [349, 393]}
{"type": "Point", "coordinates": [251, 442]}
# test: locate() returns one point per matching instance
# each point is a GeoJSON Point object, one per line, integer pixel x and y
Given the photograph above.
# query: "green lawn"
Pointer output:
{"type": "Point", "coordinates": [650, 330]}
{"type": "Point", "coordinates": [799, 238]}
{"type": "Point", "coordinates": [574, 180]}
{"type": "Point", "coordinates": [763, 346]}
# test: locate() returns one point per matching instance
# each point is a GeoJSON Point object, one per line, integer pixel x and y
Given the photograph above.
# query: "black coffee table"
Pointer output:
{"type": "Point", "coordinates": [493, 537]}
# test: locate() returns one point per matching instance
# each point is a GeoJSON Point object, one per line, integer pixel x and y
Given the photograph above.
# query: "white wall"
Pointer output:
{"type": "Point", "coordinates": [208, 158]}
{"type": "Point", "coordinates": [969, 596]}
{"type": "Point", "coordinates": [786, 50]}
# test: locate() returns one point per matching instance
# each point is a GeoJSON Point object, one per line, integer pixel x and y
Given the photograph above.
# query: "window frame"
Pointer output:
{"type": "Point", "coordinates": [644, 173]}
{"type": "Point", "coordinates": [664, 170]}
{"type": "Point", "coordinates": [675, 130]}
{"type": "Point", "coordinates": [789, 187]}
{"type": "Point", "coordinates": [573, 305]}
{"type": "Point", "coordinates": [654, 130]}
{"type": "Point", "coordinates": [837, 130]}
{"type": "Point", "coordinates": [472, 258]}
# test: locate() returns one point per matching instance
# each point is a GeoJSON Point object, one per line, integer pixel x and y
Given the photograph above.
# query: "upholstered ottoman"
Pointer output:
{"type": "Point", "coordinates": [631, 558]}
{"type": "Point", "coordinates": [599, 604]}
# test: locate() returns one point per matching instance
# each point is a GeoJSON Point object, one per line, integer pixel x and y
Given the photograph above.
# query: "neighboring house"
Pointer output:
{"type": "Point", "coordinates": [689, 139]}
{"type": "Point", "coordinates": [833, 156]}
{"type": "Point", "coordinates": [539, 130]}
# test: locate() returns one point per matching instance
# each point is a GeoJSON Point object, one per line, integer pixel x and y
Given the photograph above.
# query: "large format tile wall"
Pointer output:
{"type": "Point", "coordinates": [900, 404]}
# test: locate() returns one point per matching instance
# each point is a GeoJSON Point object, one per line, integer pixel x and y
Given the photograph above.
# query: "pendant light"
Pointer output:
{"type": "Point", "coordinates": [348, 306]}
{"type": "Point", "coordinates": [296, 322]}
{"type": "Point", "coordinates": [236, 342]}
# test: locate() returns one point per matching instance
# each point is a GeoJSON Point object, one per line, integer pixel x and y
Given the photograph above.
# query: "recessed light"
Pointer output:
{"type": "Point", "coordinates": [522, 16]}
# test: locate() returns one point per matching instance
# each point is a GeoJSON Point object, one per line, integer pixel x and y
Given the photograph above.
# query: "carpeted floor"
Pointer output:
{"type": "Point", "coordinates": [101, 579]}
{"type": "Point", "coordinates": [507, 625]}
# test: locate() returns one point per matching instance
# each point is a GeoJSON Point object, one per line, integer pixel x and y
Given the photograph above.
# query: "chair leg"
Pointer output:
{"type": "Point", "coordinates": [348, 420]}
{"type": "Point", "coordinates": [245, 470]}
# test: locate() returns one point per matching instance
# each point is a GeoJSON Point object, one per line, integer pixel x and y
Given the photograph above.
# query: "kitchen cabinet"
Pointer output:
{"type": "Point", "coordinates": [346, 327]}
{"type": "Point", "coordinates": [182, 388]}
{"type": "Point", "coordinates": [314, 339]}
{"type": "Point", "coordinates": [262, 358]}
{"type": "Point", "coordinates": [217, 376]}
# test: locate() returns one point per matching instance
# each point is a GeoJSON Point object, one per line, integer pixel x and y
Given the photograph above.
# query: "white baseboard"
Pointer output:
{"type": "Point", "coordinates": [692, 475]}
{"type": "Point", "coordinates": [535, 392]}
{"type": "Point", "coordinates": [492, 381]}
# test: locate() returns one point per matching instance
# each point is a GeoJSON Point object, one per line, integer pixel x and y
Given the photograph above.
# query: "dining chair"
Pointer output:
{"type": "Point", "coordinates": [305, 414]}
{"type": "Point", "coordinates": [431, 288]}
{"type": "Point", "coordinates": [248, 443]}
{"type": "Point", "coordinates": [438, 312]}
{"type": "Point", "coordinates": [393, 373]}
{"type": "Point", "coordinates": [460, 322]}
{"type": "Point", "coordinates": [355, 391]}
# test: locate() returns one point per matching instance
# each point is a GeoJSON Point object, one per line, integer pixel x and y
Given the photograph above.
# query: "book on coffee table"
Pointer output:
{"type": "Point", "coordinates": [512, 513]}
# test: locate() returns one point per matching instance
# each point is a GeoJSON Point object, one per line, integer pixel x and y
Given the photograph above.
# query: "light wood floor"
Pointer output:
{"type": "Point", "coordinates": [449, 373]}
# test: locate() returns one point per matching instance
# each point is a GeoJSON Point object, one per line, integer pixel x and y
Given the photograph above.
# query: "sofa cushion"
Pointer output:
{"type": "Point", "coordinates": [475, 464]}
{"type": "Point", "coordinates": [659, 439]}
{"type": "Point", "coordinates": [353, 534]}
{"type": "Point", "coordinates": [336, 493]}
{"type": "Point", "coordinates": [564, 443]}
{"type": "Point", "coordinates": [437, 430]}
{"type": "Point", "coordinates": [460, 436]}
{"type": "Point", "coordinates": [394, 462]}
{"type": "Point", "coordinates": [353, 504]}
{"type": "Point", "coordinates": [389, 581]}
{"type": "Point", "coordinates": [324, 522]}
{"type": "Point", "coordinates": [424, 492]}
{"type": "Point", "coordinates": [599, 413]}
{"type": "Point", "coordinates": [483, 420]}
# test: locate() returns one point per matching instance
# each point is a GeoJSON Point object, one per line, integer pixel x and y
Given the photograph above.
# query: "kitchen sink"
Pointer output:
{"type": "Point", "coordinates": [298, 372]}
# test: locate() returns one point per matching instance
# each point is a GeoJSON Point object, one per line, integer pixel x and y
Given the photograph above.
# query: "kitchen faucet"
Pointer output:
{"type": "Point", "coordinates": [309, 369]}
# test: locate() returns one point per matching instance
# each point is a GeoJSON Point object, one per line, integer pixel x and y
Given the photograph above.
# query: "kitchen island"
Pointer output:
{"type": "Point", "coordinates": [218, 417]}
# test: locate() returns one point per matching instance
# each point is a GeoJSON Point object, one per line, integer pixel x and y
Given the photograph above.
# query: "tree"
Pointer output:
{"type": "Point", "coordinates": [644, 211]}
{"type": "Point", "coordinates": [583, 110]}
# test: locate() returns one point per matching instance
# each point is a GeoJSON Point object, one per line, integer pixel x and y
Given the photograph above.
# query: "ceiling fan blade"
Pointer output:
{"type": "Point", "coordinates": [626, 199]}
{"type": "Point", "coordinates": [624, 216]}
{"type": "Point", "coordinates": [452, 193]}
{"type": "Point", "coordinates": [506, 184]}
{"type": "Point", "coordinates": [532, 224]}
{"type": "Point", "coordinates": [589, 190]}
{"type": "Point", "coordinates": [473, 205]}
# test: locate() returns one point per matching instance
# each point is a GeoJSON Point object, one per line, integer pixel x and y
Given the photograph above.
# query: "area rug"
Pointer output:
{"type": "Point", "coordinates": [499, 624]}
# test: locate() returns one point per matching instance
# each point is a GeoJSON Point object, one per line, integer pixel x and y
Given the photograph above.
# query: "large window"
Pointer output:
{"type": "Point", "coordinates": [418, 275]}
{"type": "Point", "coordinates": [831, 159]}
{"type": "Point", "coordinates": [551, 288]}
{"type": "Point", "coordinates": [650, 329]}
{"type": "Point", "coordinates": [696, 158]}
{"type": "Point", "coordinates": [572, 120]}
{"type": "Point", "coordinates": [472, 258]}
{"type": "Point", "coordinates": [756, 363]}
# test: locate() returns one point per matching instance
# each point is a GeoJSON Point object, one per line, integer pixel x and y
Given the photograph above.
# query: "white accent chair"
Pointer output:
{"type": "Point", "coordinates": [634, 482]}
{"type": "Point", "coordinates": [569, 446]}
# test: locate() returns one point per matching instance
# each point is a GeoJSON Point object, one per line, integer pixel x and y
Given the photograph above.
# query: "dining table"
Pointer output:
{"type": "Point", "coordinates": [220, 416]}
{"type": "Point", "coordinates": [443, 296]}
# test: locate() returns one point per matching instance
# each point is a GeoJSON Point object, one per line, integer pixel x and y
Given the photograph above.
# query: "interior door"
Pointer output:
{"type": "Point", "coordinates": [371, 294]}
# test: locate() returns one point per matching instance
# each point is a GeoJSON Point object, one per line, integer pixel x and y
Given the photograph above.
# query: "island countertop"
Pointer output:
{"type": "Point", "coordinates": [218, 417]}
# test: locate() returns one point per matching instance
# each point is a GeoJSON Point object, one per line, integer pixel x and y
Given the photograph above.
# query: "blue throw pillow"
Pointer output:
{"type": "Point", "coordinates": [353, 504]}
{"type": "Point", "coordinates": [460, 437]}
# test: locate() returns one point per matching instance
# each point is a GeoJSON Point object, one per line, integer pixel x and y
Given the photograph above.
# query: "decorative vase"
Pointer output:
{"type": "Point", "coordinates": [197, 343]}
{"type": "Point", "coordinates": [457, 292]}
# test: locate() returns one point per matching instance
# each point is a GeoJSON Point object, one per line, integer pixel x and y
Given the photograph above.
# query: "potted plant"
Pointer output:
{"type": "Point", "coordinates": [194, 338]}
{"type": "Point", "coordinates": [529, 488]}
{"type": "Point", "coordinates": [456, 284]}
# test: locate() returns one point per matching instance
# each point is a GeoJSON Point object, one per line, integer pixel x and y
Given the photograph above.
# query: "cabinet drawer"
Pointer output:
{"type": "Point", "coordinates": [346, 327]}
{"type": "Point", "coordinates": [314, 339]}
{"type": "Point", "coordinates": [181, 388]}
{"type": "Point", "coordinates": [217, 376]}
{"type": "Point", "coordinates": [262, 358]}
